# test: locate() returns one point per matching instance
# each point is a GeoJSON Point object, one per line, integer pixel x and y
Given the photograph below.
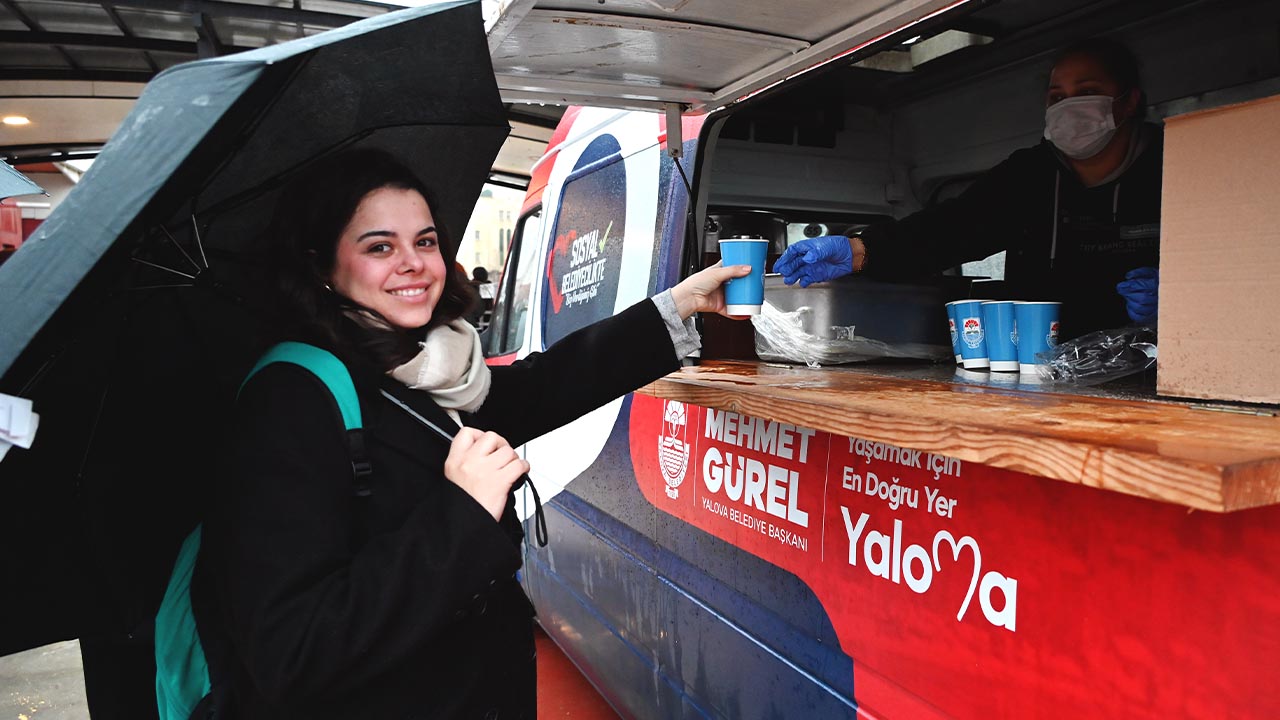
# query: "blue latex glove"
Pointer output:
{"type": "Point", "coordinates": [816, 260]}
{"type": "Point", "coordinates": [1141, 292]}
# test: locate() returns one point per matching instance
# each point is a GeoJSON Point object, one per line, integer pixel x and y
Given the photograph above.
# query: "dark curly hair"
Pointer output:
{"type": "Point", "coordinates": [309, 218]}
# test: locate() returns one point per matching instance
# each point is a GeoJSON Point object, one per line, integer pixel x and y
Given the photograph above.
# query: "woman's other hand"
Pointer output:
{"type": "Point", "coordinates": [485, 466]}
{"type": "Point", "coordinates": [703, 291]}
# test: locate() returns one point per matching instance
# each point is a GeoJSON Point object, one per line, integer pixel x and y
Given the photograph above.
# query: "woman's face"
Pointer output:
{"type": "Point", "coordinates": [388, 258]}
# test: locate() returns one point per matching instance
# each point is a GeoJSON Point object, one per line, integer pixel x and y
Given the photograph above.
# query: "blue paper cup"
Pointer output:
{"type": "Point", "coordinates": [955, 331]}
{"type": "Point", "coordinates": [972, 335]}
{"type": "Point", "coordinates": [744, 295]}
{"type": "Point", "coordinates": [1001, 332]}
{"type": "Point", "coordinates": [1037, 331]}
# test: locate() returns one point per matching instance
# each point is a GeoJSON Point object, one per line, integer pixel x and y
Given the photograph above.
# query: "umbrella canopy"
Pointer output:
{"type": "Point", "coordinates": [132, 313]}
{"type": "Point", "coordinates": [14, 183]}
{"type": "Point", "coordinates": [205, 134]}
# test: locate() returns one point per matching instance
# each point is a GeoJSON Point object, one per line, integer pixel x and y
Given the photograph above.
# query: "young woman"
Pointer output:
{"type": "Point", "coordinates": [315, 601]}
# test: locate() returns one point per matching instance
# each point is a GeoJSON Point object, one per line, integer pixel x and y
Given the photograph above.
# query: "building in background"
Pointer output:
{"type": "Point", "coordinates": [488, 235]}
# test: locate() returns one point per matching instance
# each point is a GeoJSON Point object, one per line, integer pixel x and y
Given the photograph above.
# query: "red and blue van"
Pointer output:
{"type": "Point", "coordinates": [709, 563]}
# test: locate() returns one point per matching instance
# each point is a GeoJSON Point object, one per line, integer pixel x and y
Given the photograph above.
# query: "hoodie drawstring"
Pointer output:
{"type": "Point", "coordinates": [1053, 246]}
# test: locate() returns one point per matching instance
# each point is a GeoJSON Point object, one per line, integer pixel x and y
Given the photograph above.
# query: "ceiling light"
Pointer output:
{"type": "Point", "coordinates": [16, 120]}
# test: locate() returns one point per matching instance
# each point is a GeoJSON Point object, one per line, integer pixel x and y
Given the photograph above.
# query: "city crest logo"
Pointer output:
{"type": "Point", "coordinates": [972, 333]}
{"type": "Point", "coordinates": [673, 451]}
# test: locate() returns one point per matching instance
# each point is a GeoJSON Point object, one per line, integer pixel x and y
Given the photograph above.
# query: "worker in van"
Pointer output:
{"type": "Point", "coordinates": [1078, 214]}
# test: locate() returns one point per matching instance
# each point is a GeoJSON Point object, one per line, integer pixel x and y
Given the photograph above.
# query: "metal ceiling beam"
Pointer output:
{"type": "Point", "coordinates": [19, 13]}
{"type": "Point", "coordinates": [21, 37]}
{"type": "Point", "coordinates": [37, 27]}
{"type": "Point", "coordinates": [129, 76]}
{"type": "Point", "coordinates": [128, 32]}
{"type": "Point", "coordinates": [221, 9]}
{"type": "Point", "coordinates": [209, 44]}
{"type": "Point", "coordinates": [48, 152]}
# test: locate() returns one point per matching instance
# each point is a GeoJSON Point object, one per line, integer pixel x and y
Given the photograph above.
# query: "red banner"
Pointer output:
{"type": "Point", "coordinates": [962, 590]}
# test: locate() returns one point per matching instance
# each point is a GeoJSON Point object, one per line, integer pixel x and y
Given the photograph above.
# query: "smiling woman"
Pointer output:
{"type": "Point", "coordinates": [393, 593]}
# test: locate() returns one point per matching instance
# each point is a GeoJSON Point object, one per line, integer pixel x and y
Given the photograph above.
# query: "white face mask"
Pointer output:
{"type": "Point", "coordinates": [1080, 126]}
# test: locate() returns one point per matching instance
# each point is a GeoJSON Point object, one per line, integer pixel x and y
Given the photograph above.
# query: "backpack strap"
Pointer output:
{"type": "Point", "coordinates": [324, 365]}
{"type": "Point", "coordinates": [334, 374]}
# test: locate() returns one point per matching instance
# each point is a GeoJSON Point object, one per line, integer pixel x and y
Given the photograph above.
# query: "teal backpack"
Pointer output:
{"type": "Point", "coordinates": [182, 672]}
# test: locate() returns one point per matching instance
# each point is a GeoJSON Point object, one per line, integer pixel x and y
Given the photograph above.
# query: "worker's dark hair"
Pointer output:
{"type": "Point", "coordinates": [1117, 59]}
{"type": "Point", "coordinates": [480, 274]}
{"type": "Point", "coordinates": [309, 218]}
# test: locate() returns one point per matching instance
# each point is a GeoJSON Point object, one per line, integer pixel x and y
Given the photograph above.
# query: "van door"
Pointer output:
{"type": "Point", "coordinates": [607, 242]}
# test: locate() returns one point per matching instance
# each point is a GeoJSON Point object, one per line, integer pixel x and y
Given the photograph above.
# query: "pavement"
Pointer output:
{"type": "Point", "coordinates": [46, 683]}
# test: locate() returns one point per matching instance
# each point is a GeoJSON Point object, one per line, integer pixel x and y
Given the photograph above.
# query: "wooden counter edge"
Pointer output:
{"type": "Point", "coordinates": [1198, 485]}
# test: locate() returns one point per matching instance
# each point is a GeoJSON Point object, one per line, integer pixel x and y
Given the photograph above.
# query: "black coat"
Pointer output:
{"type": "Point", "coordinates": [315, 603]}
{"type": "Point", "coordinates": [1103, 232]}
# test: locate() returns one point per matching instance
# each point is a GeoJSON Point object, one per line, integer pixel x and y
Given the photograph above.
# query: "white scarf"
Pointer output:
{"type": "Point", "coordinates": [450, 368]}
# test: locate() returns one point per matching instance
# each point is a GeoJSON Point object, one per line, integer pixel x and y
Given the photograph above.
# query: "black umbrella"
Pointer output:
{"type": "Point", "coordinates": [133, 313]}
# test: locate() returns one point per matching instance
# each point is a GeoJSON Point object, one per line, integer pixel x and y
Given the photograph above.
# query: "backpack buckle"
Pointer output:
{"type": "Point", "coordinates": [362, 469]}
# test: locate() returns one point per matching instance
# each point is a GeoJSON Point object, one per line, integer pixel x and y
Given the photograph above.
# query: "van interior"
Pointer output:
{"type": "Point", "coordinates": [883, 133]}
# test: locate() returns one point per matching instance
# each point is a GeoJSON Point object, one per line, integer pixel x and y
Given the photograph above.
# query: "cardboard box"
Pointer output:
{"type": "Point", "coordinates": [1220, 254]}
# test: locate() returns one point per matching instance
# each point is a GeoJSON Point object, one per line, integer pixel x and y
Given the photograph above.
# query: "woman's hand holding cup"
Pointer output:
{"type": "Point", "coordinates": [703, 291]}
{"type": "Point", "coordinates": [485, 466]}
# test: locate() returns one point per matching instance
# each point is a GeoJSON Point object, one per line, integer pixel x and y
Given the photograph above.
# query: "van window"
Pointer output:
{"type": "Point", "coordinates": [585, 257]}
{"type": "Point", "coordinates": [511, 309]}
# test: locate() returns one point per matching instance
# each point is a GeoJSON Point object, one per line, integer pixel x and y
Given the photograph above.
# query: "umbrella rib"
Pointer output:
{"type": "Point", "coordinates": [195, 228]}
{"type": "Point", "coordinates": [161, 267]}
{"type": "Point", "coordinates": [165, 230]}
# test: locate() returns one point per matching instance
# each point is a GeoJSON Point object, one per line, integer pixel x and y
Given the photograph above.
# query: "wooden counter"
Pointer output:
{"type": "Point", "coordinates": [1168, 451]}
